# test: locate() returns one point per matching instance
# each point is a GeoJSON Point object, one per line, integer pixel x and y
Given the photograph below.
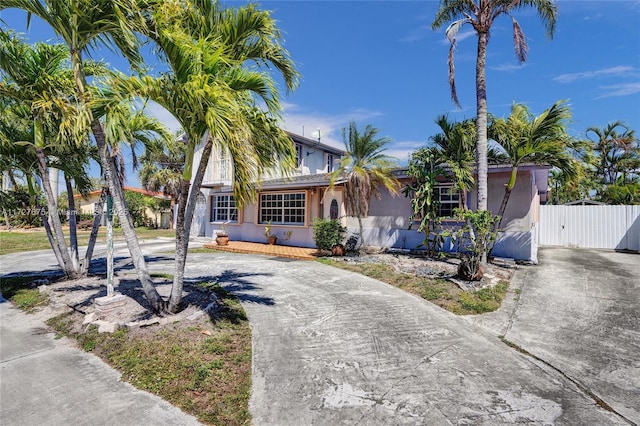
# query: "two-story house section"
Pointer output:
{"type": "Point", "coordinates": [287, 204]}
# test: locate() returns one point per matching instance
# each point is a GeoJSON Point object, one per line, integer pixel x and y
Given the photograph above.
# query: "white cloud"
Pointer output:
{"type": "Point", "coordinates": [417, 34]}
{"type": "Point", "coordinates": [620, 70]}
{"type": "Point", "coordinates": [402, 150]}
{"type": "Point", "coordinates": [595, 16]}
{"type": "Point", "coordinates": [303, 122]}
{"type": "Point", "coordinates": [623, 89]}
{"type": "Point", "coordinates": [509, 67]}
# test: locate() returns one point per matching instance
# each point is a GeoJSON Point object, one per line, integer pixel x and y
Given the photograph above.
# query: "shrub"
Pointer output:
{"type": "Point", "coordinates": [327, 233]}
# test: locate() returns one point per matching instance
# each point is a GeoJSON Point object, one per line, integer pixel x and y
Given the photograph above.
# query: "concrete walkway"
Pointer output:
{"type": "Point", "coordinates": [44, 381]}
{"type": "Point", "coordinates": [333, 347]}
{"type": "Point", "coordinates": [579, 311]}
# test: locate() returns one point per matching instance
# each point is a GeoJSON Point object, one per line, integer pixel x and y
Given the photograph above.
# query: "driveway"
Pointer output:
{"type": "Point", "coordinates": [333, 347]}
{"type": "Point", "coordinates": [579, 311]}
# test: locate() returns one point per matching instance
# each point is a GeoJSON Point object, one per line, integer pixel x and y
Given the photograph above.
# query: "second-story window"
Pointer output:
{"type": "Point", "coordinates": [329, 163]}
{"type": "Point", "coordinates": [222, 166]}
{"type": "Point", "coordinates": [299, 155]}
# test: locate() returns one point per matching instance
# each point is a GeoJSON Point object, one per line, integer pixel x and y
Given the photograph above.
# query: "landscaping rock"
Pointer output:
{"type": "Point", "coordinates": [106, 327]}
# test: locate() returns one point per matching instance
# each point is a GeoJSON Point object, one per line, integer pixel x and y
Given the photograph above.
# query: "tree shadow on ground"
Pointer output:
{"type": "Point", "coordinates": [238, 284]}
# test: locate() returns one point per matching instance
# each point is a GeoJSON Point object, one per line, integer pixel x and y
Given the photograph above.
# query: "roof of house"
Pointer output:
{"type": "Point", "coordinates": [315, 143]}
{"type": "Point", "coordinates": [322, 179]}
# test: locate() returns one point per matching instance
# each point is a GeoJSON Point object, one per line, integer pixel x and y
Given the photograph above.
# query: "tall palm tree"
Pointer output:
{"type": "Point", "coordinates": [215, 89]}
{"type": "Point", "coordinates": [364, 168]}
{"type": "Point", "coordinates": [525, 138]}
{"type": "Point", "coordinates": [83, 24]}
{"type": "Point", "coordinates": [455, 147]}
{"type": "Point", "coordinates": [481, 14]}
{"type": "Point", "coordinates": [38, 77]}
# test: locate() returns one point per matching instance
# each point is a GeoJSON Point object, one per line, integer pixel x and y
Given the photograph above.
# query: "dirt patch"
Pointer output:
{"type": "Point", "coordinates": [445, 268]}
{"type": "Point", "coordinates": [131, 308]}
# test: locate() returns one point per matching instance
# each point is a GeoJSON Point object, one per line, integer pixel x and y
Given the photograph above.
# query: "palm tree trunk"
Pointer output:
{"type": "Point", "coordinates": [97, 218]}
{"type": "Point", "coordinates": [58, 236]}
{"type": "Point", "coordinates": [186, 208]}
{"type": "Point", "coordinates": [481, 126]}
{"type": "Point", "coordinates": [47, 228]}
{"type": "Point", "coordinates": [481, 122]}
{"type": "Point", "coordinates": [152, 295]}
{"type": "Point", "coordinates": [73, 236]}
{"type": "Point", "coordinates": [115, 189]}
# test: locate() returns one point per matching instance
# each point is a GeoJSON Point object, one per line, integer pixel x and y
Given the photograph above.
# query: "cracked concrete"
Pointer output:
{"type": "Point", "coordinates": [578, 312]}
{"type": "Point", "coordinates": [333, 347]}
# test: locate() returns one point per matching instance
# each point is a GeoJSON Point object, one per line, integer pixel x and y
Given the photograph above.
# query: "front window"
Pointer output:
{"type": "Point", "coordinates": [448, 199]}
{"type": "Point", "coordinates": [224, 209]}
{"type": "Point", "coordinates": [283, 208]}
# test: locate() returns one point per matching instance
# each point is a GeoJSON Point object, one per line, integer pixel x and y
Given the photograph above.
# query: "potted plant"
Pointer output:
{"type": "Point", "coordinates": [272, 238]}
{"type": "Point", "coordinates": [222, 237]}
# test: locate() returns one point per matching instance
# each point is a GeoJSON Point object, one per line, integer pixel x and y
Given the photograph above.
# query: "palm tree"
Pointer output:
{"type": "Point", "coordinates": [364, 168]}
{"type": "Point", "coordinates": [617, 153]}
{"type": "Point", "coordinates": [83, 24]}
{"type": "Point", "coordinates": [216, 56]}
{"type": "Point", "coordinates": [455, 147]}
{"type": "Point", "coordinates": [161, 170]}
{"type": "Point", "coordinates": [525, 138]}
{"type": "Point", "coordinates": [481, 14]}
{"type": "Point", "coordinates": [37, 76]}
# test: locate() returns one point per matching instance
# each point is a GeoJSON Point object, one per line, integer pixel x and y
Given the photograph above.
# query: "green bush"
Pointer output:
{"type": "Point", "coordinates": [327, 233]}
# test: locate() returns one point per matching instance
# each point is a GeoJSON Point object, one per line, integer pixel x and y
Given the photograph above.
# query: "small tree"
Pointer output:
{"type": "Point", "coordinates": [424, 168]}
{"type": "Point", "coordinates": [475, 238]}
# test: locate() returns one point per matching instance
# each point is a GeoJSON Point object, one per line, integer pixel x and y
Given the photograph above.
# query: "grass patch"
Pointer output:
{"type": "Point", "coordinates": [161, 275]}
{"type": "Point", "coordinates": [443, 293]}
{"type": "Point", "coordinates": [36, 239]}
{"type": "Point", "coordinates": [22, 292]}
{"type": "Point", "coordinates": [203, 367]}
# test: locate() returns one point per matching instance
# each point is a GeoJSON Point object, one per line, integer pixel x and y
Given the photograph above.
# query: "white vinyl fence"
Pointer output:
{"type": "Point", "coordinates": [608, 227]}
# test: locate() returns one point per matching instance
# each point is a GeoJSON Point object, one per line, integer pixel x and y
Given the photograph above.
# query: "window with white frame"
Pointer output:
{"type": "Point", "coordinates": [284, 208]}
{"type": "Point", "coordinates": [448, 199]}
{"type": "Point", "coordinates": [329, 163]}
{"type": "Point", "coordinates": [223, 208]}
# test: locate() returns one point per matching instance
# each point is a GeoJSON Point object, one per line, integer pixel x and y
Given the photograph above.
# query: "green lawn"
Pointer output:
{"type": "Point", "coordinates": [36, 239]}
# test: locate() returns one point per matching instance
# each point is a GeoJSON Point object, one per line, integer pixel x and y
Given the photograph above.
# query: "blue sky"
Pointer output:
{"type": "Point", "coordinates": [379, 63]}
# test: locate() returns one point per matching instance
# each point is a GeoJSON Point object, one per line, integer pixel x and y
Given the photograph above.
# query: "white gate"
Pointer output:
{"type": "Point", "coordinates": [608, 227]}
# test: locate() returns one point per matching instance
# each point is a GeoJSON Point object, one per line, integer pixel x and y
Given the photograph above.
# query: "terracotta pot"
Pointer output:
{"type": "Point", "coordinates": [222, 240]}
{"type": "Point", "coordinates": [338, 250]}
{"type": "Point", "coordinates": [272, 240]}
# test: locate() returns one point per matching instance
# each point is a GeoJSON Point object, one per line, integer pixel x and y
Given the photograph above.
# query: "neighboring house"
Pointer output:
{"type": "Point", "coordinates": [291, 204]}
{"type": "Point", "coordinates": [161, 219]}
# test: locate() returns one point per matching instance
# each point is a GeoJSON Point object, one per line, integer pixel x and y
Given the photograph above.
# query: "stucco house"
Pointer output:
{"type": "Point", "coordinates": [291, 204]}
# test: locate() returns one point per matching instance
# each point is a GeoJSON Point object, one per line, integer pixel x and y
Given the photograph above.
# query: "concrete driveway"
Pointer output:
{"type": "Point", "coordinates": [333, 347]}
{"type": "Point", "coordinates": [579, 312]}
